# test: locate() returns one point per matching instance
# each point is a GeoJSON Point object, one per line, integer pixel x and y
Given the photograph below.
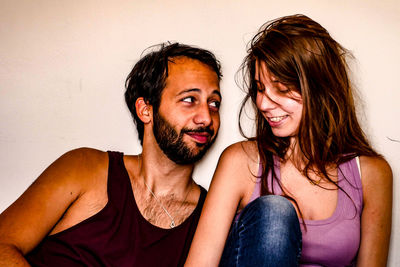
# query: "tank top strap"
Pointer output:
{"type": "Point", "coordinates": [271, 183]}
{"type": "Point", "coordinates": [257, 185]}
{"type": "Point", "coordinates": [350, 181]}
{"type": "Point", "coordinates": [119, 189]}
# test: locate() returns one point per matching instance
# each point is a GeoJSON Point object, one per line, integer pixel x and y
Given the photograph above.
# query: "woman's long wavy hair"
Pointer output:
{"type": "Point", "coordinates": [301, 54]}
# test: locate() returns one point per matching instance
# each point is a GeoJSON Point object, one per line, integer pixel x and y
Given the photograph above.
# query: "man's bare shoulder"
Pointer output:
{"type": "Point", "coordinates": [80, 165]}
{"type": "Point", "coordinates": [74, 181]}
{"type": "Point", "coordinates": [85, 155]}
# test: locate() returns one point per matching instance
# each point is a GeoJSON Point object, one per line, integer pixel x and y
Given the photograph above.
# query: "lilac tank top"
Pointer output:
{"type": "Point", "coordinates": [333, 241]}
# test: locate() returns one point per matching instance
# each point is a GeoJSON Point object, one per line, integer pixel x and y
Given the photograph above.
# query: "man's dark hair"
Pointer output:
{"type": "Point", "coordinates": [148, 77]}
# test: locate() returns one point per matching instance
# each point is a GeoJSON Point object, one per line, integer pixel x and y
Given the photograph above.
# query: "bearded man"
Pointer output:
{"type": "Point", "coordinates": [94, 208]}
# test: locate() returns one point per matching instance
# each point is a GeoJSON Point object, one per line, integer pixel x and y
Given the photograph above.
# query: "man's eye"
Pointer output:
{"type": "Point", "coordinates": [189, 99]}
{"type": "Point", "coordinates": [215, 104]}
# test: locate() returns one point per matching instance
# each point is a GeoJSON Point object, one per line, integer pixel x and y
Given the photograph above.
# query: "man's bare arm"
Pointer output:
{"type": "Point", "coordinates": [34, 214]}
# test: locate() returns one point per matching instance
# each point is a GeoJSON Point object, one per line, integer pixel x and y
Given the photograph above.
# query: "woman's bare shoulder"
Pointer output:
{"type": "Point", "coordinates": [238, 166]}
{"type": "Point", "coordinates": [375, 173]}
{"type": "Point", "coordinates": [371, 166]}
{"type": "Point", "coordinates": [246, 151]}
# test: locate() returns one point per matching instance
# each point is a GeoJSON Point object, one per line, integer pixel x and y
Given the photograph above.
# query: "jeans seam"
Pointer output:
{"type": "Point", "coordinates": [240, 229]}
{"type": "Point", "coordinates": [300, 245]}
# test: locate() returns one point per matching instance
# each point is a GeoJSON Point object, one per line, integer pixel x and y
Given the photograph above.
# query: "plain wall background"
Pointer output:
{"type": "Point", "coordinates": [63, 65]}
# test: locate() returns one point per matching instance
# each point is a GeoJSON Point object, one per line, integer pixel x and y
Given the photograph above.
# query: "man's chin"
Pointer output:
{"type": "Point", "coordinates": [191, 152]}
{"type": "Point", "coordinates": [196, 155]}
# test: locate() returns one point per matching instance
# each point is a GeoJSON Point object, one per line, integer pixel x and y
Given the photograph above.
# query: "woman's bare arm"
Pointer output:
{"type": "Point", "coordinates": [231, 180]}
{"type": "Point", "coordinates": [376, 177]}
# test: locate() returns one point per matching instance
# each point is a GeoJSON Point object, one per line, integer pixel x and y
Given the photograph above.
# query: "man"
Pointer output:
{"type": "Point", "coordinates": [91, 208]}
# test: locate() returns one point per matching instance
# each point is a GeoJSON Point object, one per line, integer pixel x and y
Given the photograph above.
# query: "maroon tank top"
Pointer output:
{"type": "Point", "coordinates": [118, 235]}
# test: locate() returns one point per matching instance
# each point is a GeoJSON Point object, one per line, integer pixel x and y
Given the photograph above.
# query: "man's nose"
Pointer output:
{"type": "Point", "coordinates": [203, 115]}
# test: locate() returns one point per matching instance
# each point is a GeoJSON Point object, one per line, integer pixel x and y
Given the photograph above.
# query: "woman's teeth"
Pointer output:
{"type": "Point", "coordinates": [277, 119]}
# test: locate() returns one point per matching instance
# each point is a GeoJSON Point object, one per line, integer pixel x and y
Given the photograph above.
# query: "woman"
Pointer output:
{"type": "Point", "coordinates": [326, 195]}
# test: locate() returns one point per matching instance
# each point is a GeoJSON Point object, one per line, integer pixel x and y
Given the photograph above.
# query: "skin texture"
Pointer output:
{"type": "Point", "coordinates": [74, 187]}
{"type": "Point", "coordinates": [234, 180]}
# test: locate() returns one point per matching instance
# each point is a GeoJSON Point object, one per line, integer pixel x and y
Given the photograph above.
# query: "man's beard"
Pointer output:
{"type": "Point", "coordinates": [173, 145]}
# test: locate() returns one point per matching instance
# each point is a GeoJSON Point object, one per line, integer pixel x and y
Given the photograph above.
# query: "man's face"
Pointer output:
{"type": "Point", "coordinates": [187, 121]}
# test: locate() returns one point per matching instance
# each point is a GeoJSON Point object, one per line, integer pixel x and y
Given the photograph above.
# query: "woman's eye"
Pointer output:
{"type": "Point", "coordinates": [284, 91]}
{"type": "Point", "coordinates": [282, 88]}
{"type": "Point", "coordinates": [189, 99]}
{"type": "Point", "coordinates": [260, 87]}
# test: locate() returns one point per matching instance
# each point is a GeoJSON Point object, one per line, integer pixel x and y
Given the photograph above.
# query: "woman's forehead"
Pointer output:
{"type": "Point", "coordinates": [261, 71]}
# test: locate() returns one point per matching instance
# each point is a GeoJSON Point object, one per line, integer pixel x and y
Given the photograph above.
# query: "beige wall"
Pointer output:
{"type": "Point", "coordinates": [63, 65]}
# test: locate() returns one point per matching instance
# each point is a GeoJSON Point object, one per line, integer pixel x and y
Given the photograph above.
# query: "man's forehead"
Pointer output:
{"type": "Point", "coordinates": [183, 62]}
{"type": "Point", "coordinates": [179, 59]}
{"type": "Point", "coordinates": [190, 74]}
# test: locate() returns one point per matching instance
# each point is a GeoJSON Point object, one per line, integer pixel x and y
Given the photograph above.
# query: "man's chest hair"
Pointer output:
{"type": "Point", "coordinates": [152, 209]}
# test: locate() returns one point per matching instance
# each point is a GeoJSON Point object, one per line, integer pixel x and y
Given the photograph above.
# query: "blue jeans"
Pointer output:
{"type": "Point", "coordinates": [267, 233]}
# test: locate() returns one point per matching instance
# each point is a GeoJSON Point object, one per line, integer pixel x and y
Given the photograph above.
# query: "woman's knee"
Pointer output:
{"type": "Point", "coordinates": [271, 207]}
{"type": "Point", "coordinates": [271, 217]}
{"type": "Point", "coordinates": [267, 231]}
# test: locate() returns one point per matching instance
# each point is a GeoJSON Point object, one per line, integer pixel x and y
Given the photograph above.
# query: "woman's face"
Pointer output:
{"type": "Point", "coordinates": [281, 107]}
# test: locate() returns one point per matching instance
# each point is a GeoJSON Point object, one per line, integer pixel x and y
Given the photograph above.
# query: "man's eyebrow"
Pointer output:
{"type": "Point", "coordinates": [197, 90]}
{"type": "Point", "coordinates": [218, 93]}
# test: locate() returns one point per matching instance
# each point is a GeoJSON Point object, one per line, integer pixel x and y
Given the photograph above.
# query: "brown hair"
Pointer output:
{"type": "Point", "coordinates": [301, 54]}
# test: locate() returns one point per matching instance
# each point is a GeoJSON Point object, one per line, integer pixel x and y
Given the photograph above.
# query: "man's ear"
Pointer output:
{"type": "Point", "coordinates": [143, 110]}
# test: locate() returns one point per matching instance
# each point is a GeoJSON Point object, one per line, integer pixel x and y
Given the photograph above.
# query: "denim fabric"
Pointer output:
{"type": "Point", "coordinates": [267, 233]}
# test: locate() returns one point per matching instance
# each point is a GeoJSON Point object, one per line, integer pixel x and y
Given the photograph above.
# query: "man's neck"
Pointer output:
{"type": "Point", "coordinates": [161, 174]}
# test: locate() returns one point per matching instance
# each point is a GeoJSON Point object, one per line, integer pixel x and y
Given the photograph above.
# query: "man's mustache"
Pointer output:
{"type": "Point", "coordinates": [198, 130]}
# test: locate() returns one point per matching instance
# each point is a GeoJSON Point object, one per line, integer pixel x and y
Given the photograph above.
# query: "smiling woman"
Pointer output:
{"type": "Point", "coordinates": [308, 189]}
{"type": "Point", "coordinates": [280, 106]}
